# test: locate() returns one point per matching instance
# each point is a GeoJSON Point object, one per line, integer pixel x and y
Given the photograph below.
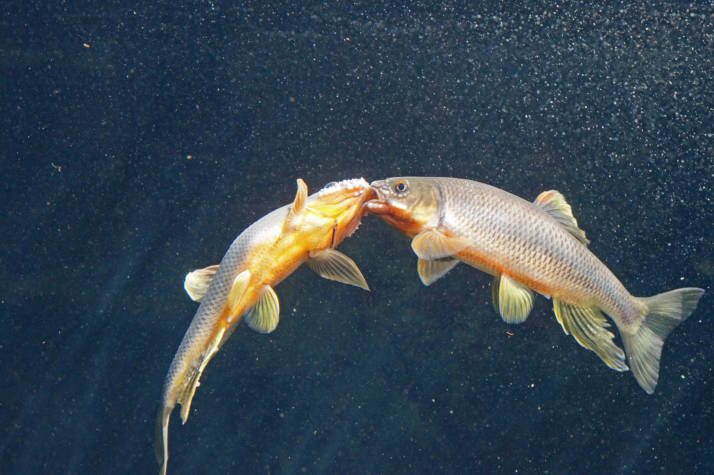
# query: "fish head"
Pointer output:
{"type": "Point", "coordinates": [409, 204]}
{"type": "Point", "coordinates": [343, 203]}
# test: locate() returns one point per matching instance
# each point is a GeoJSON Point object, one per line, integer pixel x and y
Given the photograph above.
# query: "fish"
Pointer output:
{"type": "Point", "coordinates": [532, 247]}
{"type": "Point", "coordinates": [240, 288]}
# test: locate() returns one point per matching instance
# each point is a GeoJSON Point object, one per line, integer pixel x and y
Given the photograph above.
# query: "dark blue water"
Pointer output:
{"type": "Point", "coordinates": [137, 141]}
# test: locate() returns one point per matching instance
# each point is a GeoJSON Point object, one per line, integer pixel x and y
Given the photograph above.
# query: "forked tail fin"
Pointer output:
{"type": "Point", "coordinates": [663, 312]}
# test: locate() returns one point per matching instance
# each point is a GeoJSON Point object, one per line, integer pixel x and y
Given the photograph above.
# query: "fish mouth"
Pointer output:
{"type": "Point", "coordinates": [377, 187]}
{"type": "Point", "coordinates": [377, 203]}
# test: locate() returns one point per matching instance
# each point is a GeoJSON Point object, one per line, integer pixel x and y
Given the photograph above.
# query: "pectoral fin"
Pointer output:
{"type": "Point", "coordinates": [332, 264]}
{"type": "Point", "coordinates": [239, 285]}
{"type": "Point", "coordinates": [553, 203]}
{"type": "Point", "coordinates": [513, 300]}
{"type": "Point", "coordinates": [298, 206]}
{"type": "Point", "coordinates": [197, 282]}
{"type": "Point", "coordinates": [433, 244]}
{"type": "Point", "coordinates": [265, 314]}
{"type": "Point", "coordinates": [588, 327]}
{"type": "Point", "coordinates": [432, 270]}
{"type": "Point", "coordinates": [299, 201]}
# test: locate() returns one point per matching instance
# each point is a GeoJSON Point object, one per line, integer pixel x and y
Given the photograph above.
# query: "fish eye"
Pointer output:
{"type": "Point", "coordinates": [400, 187]}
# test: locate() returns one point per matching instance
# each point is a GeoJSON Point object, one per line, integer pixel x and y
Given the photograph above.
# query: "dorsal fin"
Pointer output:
{"type": "Point", "coordinates": [553, 203]}
{"type": "Point", "coordinates": [197, 282]}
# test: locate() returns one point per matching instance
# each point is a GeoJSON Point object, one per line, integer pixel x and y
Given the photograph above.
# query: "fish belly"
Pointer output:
{"type": "Point", "coordinates": [515, 237]}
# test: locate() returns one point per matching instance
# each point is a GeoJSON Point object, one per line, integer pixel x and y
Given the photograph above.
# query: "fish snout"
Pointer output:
{"type": "Point", "coordinates": [377, 202]}
{"type": "Point", "coordinates": [377, 187]}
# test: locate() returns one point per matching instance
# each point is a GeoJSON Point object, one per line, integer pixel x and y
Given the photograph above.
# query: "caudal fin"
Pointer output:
{"type": "Point", "coordinates": [162, 438]}
{"type": "Point", "coordinates": [664, 312]}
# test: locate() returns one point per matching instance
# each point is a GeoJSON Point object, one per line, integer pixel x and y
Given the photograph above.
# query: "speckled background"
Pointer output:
{"type": "Point", "coordinates": [138, 141]}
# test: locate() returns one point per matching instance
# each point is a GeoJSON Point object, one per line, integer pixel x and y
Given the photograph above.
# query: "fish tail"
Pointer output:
{"type": "Point", "coordinates": [661, 314]}
{"type": "Point", "coordinates": [162, 437]}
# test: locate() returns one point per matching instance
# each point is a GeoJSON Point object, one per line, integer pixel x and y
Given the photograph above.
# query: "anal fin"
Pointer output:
{"type": "Point", "coordinates": [193, 381]}
{"type": "Point", "coordinates": [553, 203]}
{"type": "Point", "coordinates": [589, 328]}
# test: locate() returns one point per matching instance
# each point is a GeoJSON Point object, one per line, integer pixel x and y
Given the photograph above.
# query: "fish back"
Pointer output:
{"type": "Point", "coordinates": [203, 324]}
{"type": "Point", "coordinates": [513, 236]}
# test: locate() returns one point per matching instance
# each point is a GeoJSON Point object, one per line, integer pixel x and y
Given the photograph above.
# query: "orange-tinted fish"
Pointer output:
{"type": "Point", "coordinates": [241, 286]}
{"type": "Point", "coordinates": [532, 246]}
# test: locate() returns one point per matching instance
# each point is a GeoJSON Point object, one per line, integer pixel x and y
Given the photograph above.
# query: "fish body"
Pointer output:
{"type": "Point", "coordinates": [532, 246]}
{"type": "Point", "coordinates": [241, 286]}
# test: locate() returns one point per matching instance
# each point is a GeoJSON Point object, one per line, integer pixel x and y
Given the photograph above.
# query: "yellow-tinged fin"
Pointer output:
{"type": "Point", "coordinates": [300, 198]}
{"type": "Point", "coordinates": [237, 290]}
{"type": "Point", "coordinates": [432, 270]}
{"type": "Point", "coordinates": [433, 244]}
{"type": "Point", "coordinates": [197, 282]}
{"type": "Point", "coordinates": [265, 314]}
{"type": "Point", "coordinates": [296, 208]}
{"type": "Point", "coordinates": [513, 300]}
{"type": "Point", "coordinates": [553, 203]}
{"type": "Point", "coordinates": [193, 380]}
{"type": "Point", "coordinates": [663, 312]}
{"type": "Point", "coordinates": [588, 327]}
{"type": "Point", "coordinates": [162, 438]}
{"type": "Point", "coordinates": [494, 293]}
{"type": "Point", "coordinates": [333, 265]}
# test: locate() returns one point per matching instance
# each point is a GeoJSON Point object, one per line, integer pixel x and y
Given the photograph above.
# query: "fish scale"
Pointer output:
{"type": "Point", "coordinates": [203, 324]}
{"type": "Point", "coordinates": [241, 286]}
{"type": "Point", "coordinates": [532, 247]}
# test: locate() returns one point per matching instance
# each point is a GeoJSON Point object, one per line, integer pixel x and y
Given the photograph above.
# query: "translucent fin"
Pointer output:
{"type": "Point", "coordinates": [588, 327]}
{"type": "Point", "coordinates": [239, 285]}
{"type": "Point", "coordinates": [197, 282]}
{"type": "Point", "coordinates": [663, 312]}
{"type": "Point", "coordinates": [553, 203]}
{"type": "Point", "coordinates": [432, 270]}
{"type": "Point", "coordinates": [332, 264]}
{"type": "Point", "coordinates": [515, 300]}
{"type": "Point", "coordinates": [432, 244]}
{"type": "Point", "coordinates": [162, 438]}
{"type": "Point", "coordinates": [194, 375]}
{"type": "Point", "coordinates": [297, 207]}
{"type": "Point", "coordinates": [265, 314]}
{"type": "Point", "coordinates": [494, 293]}
{"type": "Point", "coordinates": [300, 197]}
